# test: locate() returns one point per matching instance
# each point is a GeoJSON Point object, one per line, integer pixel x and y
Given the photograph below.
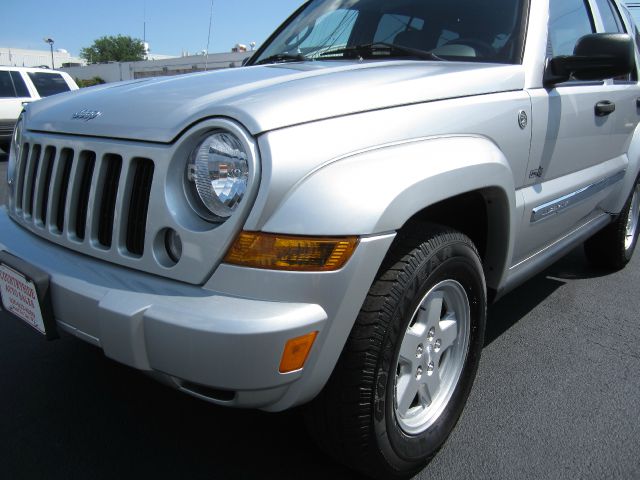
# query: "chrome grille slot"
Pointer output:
{"type": "Point", "coordinates": [59, 191]}
{"type": "Point", "coordinates": [30, 180]}
{"type": "Point", "coordinates": [80, 201]}
{"type": "Point", "coordinates": [142, 177]}
{"type": "Point", "coordinates": [43, 185]}
{"type": "Point", "coordinates": [22, 168]}
{"type": "Point", "coordinates": [106, 195]}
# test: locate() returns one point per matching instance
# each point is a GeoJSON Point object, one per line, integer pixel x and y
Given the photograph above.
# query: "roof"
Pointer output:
{"type": "Point", "coordinates": [27, 69]}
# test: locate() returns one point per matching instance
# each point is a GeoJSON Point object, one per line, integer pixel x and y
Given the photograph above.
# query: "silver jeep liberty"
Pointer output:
{"type": "Point", "coordinates": [326, 225]}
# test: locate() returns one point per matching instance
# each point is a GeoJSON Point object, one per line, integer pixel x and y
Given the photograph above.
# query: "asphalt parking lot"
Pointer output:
{"type": "Point", "coordinates": [557, 396]}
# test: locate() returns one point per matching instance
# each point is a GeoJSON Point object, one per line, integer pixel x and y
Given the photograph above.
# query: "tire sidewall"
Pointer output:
{"type": "Point", "coordinates": [456, 261]}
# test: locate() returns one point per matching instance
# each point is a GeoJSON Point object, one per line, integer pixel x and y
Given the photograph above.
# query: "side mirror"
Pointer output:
{"type": "Point", "coordinates": [595, 57]}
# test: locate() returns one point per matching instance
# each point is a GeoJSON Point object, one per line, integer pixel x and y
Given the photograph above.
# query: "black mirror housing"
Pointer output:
{"type": "Point", "coordinates": [597, 56]}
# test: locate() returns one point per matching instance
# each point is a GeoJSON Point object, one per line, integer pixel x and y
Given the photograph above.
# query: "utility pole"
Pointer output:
{"type": "Point", "coordinates": [50, 41]}
{"type": "Point", "coordinates": [206, 60]}
{"type": "Point", "coordinates": [144, 30]}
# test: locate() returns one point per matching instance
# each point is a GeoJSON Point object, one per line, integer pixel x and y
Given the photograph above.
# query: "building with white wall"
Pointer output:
{"type": "Point", "coordinates": [117, 71]}
{"type": "Point", "coordinates": [20, 57]}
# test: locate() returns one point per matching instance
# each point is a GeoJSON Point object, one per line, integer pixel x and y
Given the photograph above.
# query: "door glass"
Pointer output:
{"type": "Point", "coordinates": [612, 23]}
{"type": "Point", "coordinates": [48, 83]}
{"type": "Point", "coordinates": [634, 25]}
{"type": "Point", "coordinates": [568, 21]}
{"type": "Point", "coordinates": [20, 86]}
{"type": "Point", "coordinates": [6, 86]}
{"type": "Point", "coordinates": [635, 13]}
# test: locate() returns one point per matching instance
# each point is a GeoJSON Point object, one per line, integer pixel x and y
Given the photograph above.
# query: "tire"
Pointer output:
{"type": "Point", "coordinates": [613, 246]}
{"type": "Point", "coordinates": [366, 415]}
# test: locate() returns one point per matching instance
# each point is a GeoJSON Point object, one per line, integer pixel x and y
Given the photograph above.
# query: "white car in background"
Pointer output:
{"type": "Point", "coordinates": [19, 85]}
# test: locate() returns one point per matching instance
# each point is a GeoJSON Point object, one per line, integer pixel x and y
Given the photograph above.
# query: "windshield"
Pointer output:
{"type": "Point", "coordinates": [464, 30]}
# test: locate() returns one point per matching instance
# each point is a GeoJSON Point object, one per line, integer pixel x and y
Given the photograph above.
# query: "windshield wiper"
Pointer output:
{"type": "Point", "coordinates": [369, 49]}
{"type": "Point", "coordinates": [282, 58]}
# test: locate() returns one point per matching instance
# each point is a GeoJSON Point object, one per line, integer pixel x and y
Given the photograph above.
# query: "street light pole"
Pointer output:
{"type": "Point", "coordinates": [50, 41]}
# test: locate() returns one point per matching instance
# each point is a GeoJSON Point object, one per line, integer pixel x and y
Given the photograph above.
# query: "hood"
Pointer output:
{"type": "Point", "coordinates": [264, 98]}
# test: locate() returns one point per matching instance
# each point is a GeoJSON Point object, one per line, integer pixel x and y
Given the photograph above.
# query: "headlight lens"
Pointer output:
{"type": "Point", "coordinates": [14, 150]}
{"type": "Point", "coordinates": [16, 139]}
{"type": "Point", "coordinates": [218, 174]}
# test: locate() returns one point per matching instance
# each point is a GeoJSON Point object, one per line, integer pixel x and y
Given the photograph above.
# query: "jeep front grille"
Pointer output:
{"type": "Point", "coordinates": [82, 194]}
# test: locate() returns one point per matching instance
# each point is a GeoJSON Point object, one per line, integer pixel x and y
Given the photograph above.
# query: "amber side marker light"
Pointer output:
{"type": "Point", "coordinates": [296, 352]}
{"type": "Point", "coordinates": [290, 252]}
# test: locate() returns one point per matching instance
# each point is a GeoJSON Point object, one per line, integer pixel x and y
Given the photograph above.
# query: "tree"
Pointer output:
{"type": "Point", "coordinates": [89, 82]}
{"type": "Point", "coordinates": [120, 48]}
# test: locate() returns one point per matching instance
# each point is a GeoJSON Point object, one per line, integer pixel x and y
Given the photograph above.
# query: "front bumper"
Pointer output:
{"type": "Point", "coordinates": [227, 335]}
{"type": "Point", "coordinates": [6, 129]}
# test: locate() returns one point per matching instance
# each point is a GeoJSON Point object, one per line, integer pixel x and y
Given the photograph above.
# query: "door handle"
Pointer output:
{"type": "Point", "coordinates": [605, 108]}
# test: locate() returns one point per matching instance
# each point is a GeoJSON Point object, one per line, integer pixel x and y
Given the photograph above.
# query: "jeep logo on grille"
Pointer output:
{"type": "Point", "coordinates": [86, 115]}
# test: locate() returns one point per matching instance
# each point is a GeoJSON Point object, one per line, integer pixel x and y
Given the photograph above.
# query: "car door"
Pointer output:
{"type": "Point", "coordinates": [574, 162]}
{"type": "Point", "coordinates": [623, 91]}
{"type": "Point", "coordinates": [13, 92]}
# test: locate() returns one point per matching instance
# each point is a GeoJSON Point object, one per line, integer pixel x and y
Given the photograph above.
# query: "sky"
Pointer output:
{"type": "Point", "coordinates": [172, 26]}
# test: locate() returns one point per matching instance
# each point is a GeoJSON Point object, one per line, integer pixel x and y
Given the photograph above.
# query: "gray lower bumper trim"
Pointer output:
{"type": "Point", "coordinates": [154, 324]}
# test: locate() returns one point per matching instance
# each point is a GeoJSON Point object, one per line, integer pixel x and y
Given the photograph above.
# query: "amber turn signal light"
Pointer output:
{"type": "Point", "coordinates": [289, 252]}
{"type": "Point", "coordinates": [296, 352]}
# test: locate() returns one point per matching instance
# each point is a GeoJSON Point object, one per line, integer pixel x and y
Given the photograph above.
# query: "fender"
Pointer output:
{"type": "Point", "coordinates": [378, 191]}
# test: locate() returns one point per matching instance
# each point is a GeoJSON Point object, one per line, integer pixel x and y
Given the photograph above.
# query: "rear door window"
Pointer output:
{"type": "Point", "coordinates": [6, 85]}
{"type": "Point", "coordinates": [48, 83]}
{"type": "Point", "coordinates": [19, 85]}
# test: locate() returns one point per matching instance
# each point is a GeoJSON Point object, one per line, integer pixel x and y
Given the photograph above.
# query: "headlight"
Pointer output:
{"type": "Point", "coordinates": [14, 151]}
{"type": "Point", "coordinates": [217, 175]}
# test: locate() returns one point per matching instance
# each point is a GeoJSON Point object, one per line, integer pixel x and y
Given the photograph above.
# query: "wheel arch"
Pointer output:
{"type": "Point", "coordinates": [483, 216]}
{"type": "Point", "coordinates": [462, 182]}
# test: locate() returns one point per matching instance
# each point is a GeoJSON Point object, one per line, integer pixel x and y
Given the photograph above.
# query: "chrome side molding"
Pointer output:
{"type": "Point", "coordinates": [560, 204]}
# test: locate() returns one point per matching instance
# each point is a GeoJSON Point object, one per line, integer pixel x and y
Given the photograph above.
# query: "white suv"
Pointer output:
{"type": "Point", "coordinates": [19, 85]}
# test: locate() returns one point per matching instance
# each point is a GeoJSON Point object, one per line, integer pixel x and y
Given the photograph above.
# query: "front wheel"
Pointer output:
{"type": "Point", "coordinates": [408, 366]}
